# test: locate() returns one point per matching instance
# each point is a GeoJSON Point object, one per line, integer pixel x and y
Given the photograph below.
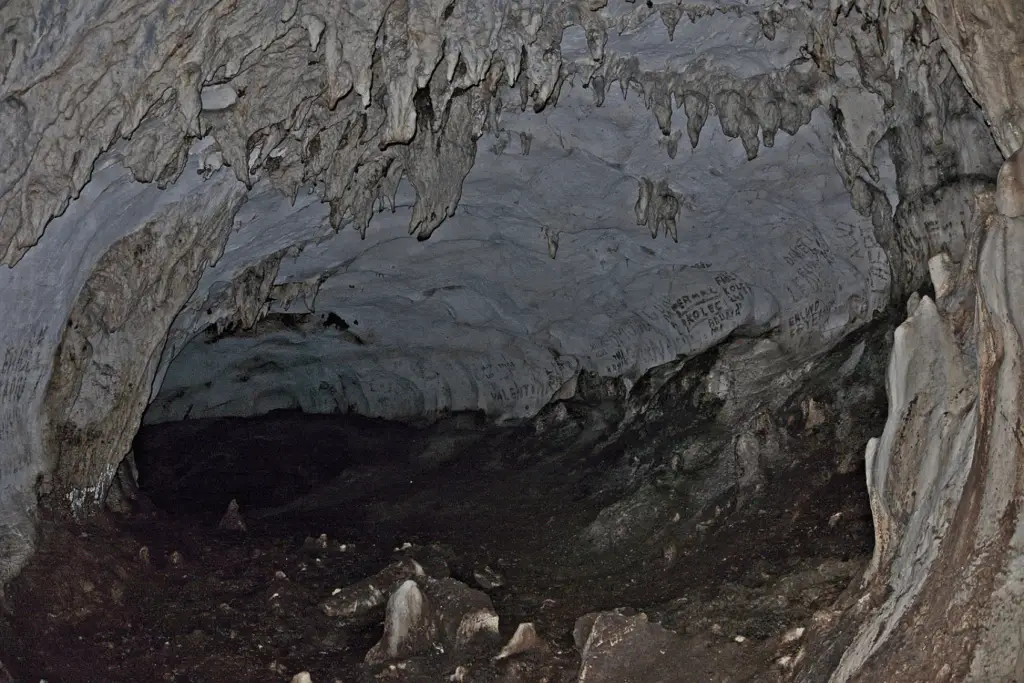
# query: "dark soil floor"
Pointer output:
{"type": "Point", "coordinates": [164, 595]}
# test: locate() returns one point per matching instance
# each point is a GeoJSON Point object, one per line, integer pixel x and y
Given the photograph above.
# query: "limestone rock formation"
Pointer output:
{"type": "Point", "coordinates": [426, 615]}
{"type": "Point", "coordinates": [372, 592]}
{"type": "Point", "coordinates": [945, 483]}
{"type": "Point", "coordinates": [341, 126]}
{"type": "Point", "coordinates": [176, 180]}
{"type": "Point", "coordinates": [409, 627]}
{"type": "Point", "coordinates": [983, 41]}
{"type": "Point", "coordinates": [524, 640]}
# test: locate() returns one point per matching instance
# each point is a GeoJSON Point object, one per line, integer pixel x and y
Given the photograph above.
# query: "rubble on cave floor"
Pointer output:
{"type": "Point", "coordinates": [473, 561]}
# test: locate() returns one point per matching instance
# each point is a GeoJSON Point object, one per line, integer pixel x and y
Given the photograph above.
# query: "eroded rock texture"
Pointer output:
{"type": "Point", "coordinates": [943, 590]}
{"type": "Point", "coordinates": [983, 40]}
{"type": "Point", "coordinates": [173, 177]}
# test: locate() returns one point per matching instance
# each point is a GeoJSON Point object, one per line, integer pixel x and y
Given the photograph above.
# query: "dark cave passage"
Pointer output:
{"type": "Point", "coordinates": [580, 511]}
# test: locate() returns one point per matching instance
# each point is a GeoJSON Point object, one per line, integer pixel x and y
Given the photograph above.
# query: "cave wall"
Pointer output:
{"type": "Point", "coordinates": [78, 323]}
{"type": "Point", "coordinates": [295, 97]}
{"type": "Point", "coordinates": [214, 71]}
{"type": "Point", "coordinates": [482, 318]}
{"type": "Point", "coordinates": [115, 332]}
{"type": "Point", "coordinates": [983, 41]}
{"type": "Point", "coordinates": [942, 599]}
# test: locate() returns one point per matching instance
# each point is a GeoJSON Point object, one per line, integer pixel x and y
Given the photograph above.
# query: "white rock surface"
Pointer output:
{"type": "Point", "coordinates": [944, 490]}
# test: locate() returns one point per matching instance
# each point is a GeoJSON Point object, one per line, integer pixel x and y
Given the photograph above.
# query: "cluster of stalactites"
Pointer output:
{"type": "Point", "coordinates": [348, 98]}
{"type": "Point", "coordinates": [435, 84]}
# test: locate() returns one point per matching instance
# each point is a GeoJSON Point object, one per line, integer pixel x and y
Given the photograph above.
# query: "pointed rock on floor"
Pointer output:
{"type": "Point", "coordinates": [410, 626]}
{"type": "Point", "coordinates": [424, 612]}
{"type": "Point", "coordinates": [370, 593]}
{"type": "Point", "coordinates": [232, 519]}
{"type": "Point", "coordinates": [525, 639]}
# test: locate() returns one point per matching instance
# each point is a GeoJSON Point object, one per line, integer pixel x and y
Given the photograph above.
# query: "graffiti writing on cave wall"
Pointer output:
{"type": "Point", "coordinates": [674, 325]}
{"type": "Point", "coordinates": [21, 369]}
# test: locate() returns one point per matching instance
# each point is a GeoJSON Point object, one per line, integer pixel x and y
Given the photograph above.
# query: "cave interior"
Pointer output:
{"type": "Point", "coordinates": [590, 341]}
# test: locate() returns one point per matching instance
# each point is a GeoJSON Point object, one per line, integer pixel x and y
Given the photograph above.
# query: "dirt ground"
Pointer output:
{"type": "Point", "coordinates": [164, 595]}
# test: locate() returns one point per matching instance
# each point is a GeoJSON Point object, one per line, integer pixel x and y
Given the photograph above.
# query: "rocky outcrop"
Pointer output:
{"type": "Point", "coordinates": [619, 647]}
{"type": "Point", "coordinates": [983, 41]}
{"type": "Point", "coordinates": [941, 599]}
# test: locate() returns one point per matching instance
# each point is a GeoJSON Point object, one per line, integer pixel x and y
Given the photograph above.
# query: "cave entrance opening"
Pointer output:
{"type": "Point", "coordinates": [661, 518]}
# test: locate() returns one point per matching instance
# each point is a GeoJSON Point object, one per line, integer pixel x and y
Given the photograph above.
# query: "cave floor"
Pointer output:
{"type": "Point", "coordinates": [163, 594]}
